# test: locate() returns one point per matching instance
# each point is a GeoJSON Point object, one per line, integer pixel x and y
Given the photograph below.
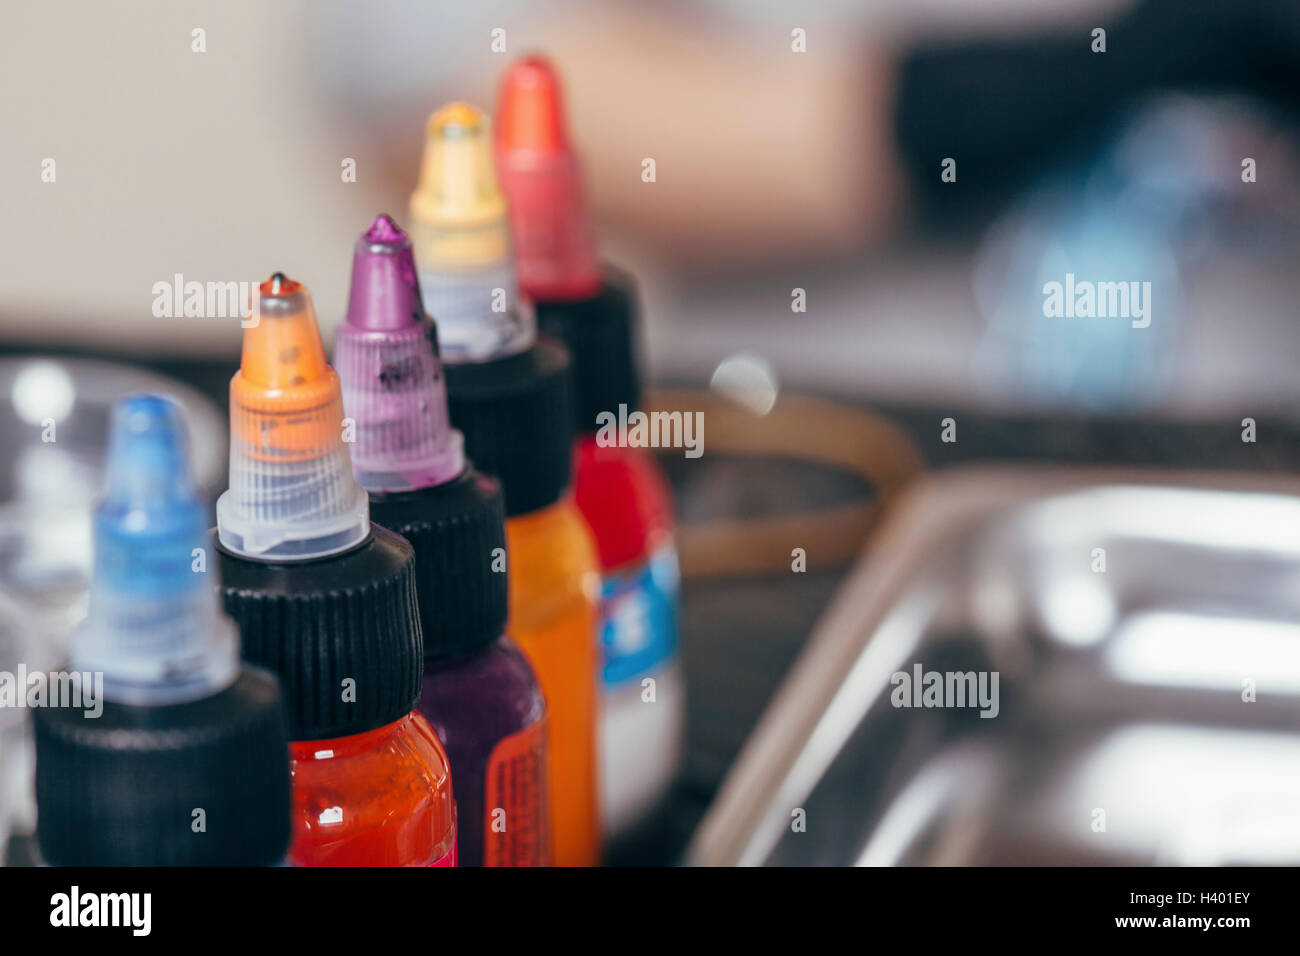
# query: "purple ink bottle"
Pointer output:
{"type": "Point", "coordinates": [479, 692]}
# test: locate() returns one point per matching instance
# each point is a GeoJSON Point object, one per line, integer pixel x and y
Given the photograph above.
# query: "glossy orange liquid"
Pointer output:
{"type": "Point", "coordinates": [382, 798]}
{"type": "Point", "coordinates": [554, 588]}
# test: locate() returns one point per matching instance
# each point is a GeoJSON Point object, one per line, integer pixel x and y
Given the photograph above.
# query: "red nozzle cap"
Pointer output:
{"type": "Point", "coordinates": [554, 250]}
{"type": "Point", "coordinates": [530, 116]}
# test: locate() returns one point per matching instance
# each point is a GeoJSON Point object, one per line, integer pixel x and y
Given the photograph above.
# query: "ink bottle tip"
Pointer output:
{"type": "Point", "coordinates": [458, 213]}
{"type": "Point", "coordinates": [530, 111]}
{"type": "Point", "coordinates": [390, 371]}
{"type": "Point", "coordinates": [385, 294]}
{"type": "Point", "coordinates": [384, 230]}
{"type": "Point", "coordinates": [279, 285]}
{"type": "Point", "coordinates": [291, 495]}
{"type": "Point", "coordinates": [554, 247]}
{"type": "Point", "coordinates": [154, 628]}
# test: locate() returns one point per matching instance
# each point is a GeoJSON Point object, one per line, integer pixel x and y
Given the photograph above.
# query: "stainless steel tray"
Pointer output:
{"type": "Point", "coordinates": [1122, 735]}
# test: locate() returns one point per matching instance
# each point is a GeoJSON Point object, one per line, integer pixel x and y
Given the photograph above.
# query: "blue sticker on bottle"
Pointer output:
{"type": "Point", "coordinates": [639, 618]}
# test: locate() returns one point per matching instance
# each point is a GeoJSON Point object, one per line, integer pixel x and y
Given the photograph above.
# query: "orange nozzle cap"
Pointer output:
{"type": "Point", "coordinates": [292, 495]}
{"type": "Point", "coordinates": [283, 350]}
{"type": "Point", "coordinates": [284, 380]}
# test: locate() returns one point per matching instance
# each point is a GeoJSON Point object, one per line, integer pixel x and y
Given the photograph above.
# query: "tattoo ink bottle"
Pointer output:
{"type": "Point", "coordinates": [619, 490]}
{"type": "Point", "coordinates": [510, 394]}
{"type": "Point", "coordinates": [479, 692]}
{"type": "Point", "coordinates": [327, 601]}
{"type": "Point", "coordinates": [163, 750]}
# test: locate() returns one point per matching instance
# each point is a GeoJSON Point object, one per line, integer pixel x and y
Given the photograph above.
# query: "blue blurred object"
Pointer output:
{"type": "Point", "coordinates": [150, 517]}
{"type": "Point", "coordinates": [1148, 207]}
{"type": "Point", "coordinates": [154, 628]}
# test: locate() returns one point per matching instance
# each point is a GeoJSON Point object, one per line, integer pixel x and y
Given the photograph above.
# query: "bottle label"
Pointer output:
{"type": "Point", "coordinates": [639, 618]}
{"type": "Point", "coordinates": [514, 800]}
{"type": "Point", "coordinates": [450, 858]}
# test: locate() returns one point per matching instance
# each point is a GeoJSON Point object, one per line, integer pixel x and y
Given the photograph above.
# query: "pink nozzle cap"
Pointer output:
{"type": "Point", "coordinates": [386, 355]}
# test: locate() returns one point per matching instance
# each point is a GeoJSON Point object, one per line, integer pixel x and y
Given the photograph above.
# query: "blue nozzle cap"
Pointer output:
{"type": "Point", "coordinates": [150, 516]}
{"type": "Point", "coordinates": [154, 629]}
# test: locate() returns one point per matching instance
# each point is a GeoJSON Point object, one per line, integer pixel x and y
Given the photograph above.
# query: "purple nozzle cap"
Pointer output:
{"type": "Point", "coordinates": [383, 229]}
{"type": "Point", "coordinates": [385, 296]}
{"type": "Point", "coordinates": [386, 356]}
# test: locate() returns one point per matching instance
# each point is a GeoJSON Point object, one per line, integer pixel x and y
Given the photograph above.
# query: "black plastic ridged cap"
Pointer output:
{"type": "Point", "coordinates": [121, 789]}
{"type": "Point", "coordinates": [456, 530]}
{"type": "Point", "coordinates": [316, 624]}
{"type": "Point", "coordinates": [517, 417]}
{"type": "Point", "coordinates": [601, 333]}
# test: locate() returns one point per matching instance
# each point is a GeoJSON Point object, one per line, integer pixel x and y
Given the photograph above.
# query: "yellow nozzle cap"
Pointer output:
{"type": "Point", "coordinates": [458, 212]}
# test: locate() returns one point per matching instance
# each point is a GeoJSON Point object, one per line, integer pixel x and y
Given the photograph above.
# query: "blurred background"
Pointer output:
{"type": "Point", "coordinates": [806, 235]}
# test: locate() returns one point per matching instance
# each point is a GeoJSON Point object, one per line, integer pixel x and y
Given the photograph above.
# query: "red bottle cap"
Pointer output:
{"type": "Point", "coordinates": [539, 173]}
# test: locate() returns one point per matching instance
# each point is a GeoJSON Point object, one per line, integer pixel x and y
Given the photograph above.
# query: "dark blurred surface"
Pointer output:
{"type": "Point", "coordinates": [1012, 108]}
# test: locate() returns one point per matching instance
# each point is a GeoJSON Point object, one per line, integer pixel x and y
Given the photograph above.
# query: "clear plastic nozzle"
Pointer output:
{"type": "Point", "coordinates": [155, 629]}
{"type": "Point", "coordinates": [461, 238]}
{"type": "Point", "coordinates": [292, 495]}
{"type": "Point", "coordinates": [386, 353]}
